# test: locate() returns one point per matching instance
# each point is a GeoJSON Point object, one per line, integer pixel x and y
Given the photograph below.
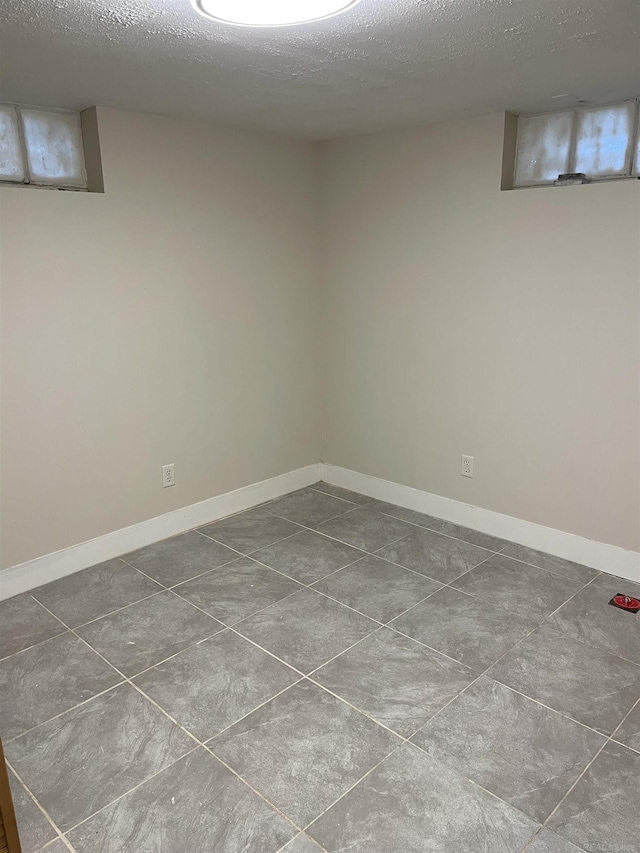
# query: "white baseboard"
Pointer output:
{"type": "Point", "coordinates": [598, 555]}
{"type": "Point", "coordinates": [50, 567]}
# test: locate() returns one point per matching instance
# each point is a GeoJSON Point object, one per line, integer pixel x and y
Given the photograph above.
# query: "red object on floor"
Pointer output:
{"type": "Point", "coordinates": [625, 602]}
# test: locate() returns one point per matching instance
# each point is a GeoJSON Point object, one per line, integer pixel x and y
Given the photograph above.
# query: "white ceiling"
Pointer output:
{"type": "Point", "coordinates": [382, 64]}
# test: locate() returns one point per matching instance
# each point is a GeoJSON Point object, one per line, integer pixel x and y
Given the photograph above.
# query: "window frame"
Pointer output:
{"type": "Point", "coordinates": [634, 145]}
{"type": "Point", "coordinates": [45, 183]}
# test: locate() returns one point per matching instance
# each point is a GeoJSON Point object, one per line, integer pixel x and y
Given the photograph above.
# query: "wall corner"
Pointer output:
{"type": "Point", "coordinates": [92, 154]}
{"type": "Point", "coordinates": [509, 150]}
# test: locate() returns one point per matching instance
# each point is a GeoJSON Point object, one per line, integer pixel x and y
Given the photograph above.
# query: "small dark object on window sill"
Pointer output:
{"type": "Point", "coordinates": [570, 179]}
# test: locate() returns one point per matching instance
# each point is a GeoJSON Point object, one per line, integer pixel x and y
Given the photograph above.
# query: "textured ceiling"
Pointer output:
{"type": "Point", "coordinates": [382, 64]}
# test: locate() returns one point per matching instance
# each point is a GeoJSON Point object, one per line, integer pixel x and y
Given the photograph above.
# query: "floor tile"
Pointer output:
{"type": "Point", "coordinates": [176, 560]}
{"type": "Point", "coordinates": [592, 686]}
{"type": "Point", "coordinates": [84, 759]}
{"type": "Point", "coordinates": [237, 590]}
{"type": "Point", "coordinates": [320, 746]}
{"type": "Point", "coordinates": [213, 684]}
{"type": "Point", "coordinates": [522, 752]}
{"type": "Point", "coordinates": [600, 814]}
{"type": "Point", "coordinates": [432, 554]}
{"type": "Point", "coordinates": [574, 571]}
{"type": "Point", "coordinates": [46, 680]}
{"type": "Point", "coordinates": [309, 507]}
{"type": "Point", "coordinates": [33, 827]}
{"type": "Point", "coordinates": [301, 844]}
{"type": "Point", "coordinates": [395, 680]}
{"type": "Point", "coordinates": [466, 628]}
{"type": "Point", "coordinates": [194, 805]}
{"type": "Point", "coordinates": [591, 618]}
{"type": "Point", "coordinates": [377, 588]}
{"type": "Point", "coordinates": [412, 803]}
{"type": "Point", "coordinates": [403, 513]}
{"type": "Point", "coordinates": [250, 530]}
{"type": "Point", "coordinates": [629, 731]}
{"type": "Point", "coordinates": [147, 632]}
{"type": "Point", "coordinates": [338, 492]}
{"type": "Point", "coordinates": [57, 846]}
{"type": "Point", "coordinates": [25, 623]}
{"type": "Point", "coordinates": [522, 589]}
{"type": "Point", "coordinates": [474, 537]}
{"type": "Point", "coordinates": [307, 556]}
{"type": "Point", "coordinates": [366, 529]}
{"type": "Point", "coordinates": [306, 629]}
{"type": "Point", "coordinates": [93, 592]}
{"type": "Point", "coordinates": [549, 842]}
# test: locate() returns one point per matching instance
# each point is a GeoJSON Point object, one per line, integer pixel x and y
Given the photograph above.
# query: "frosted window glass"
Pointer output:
{"type": "Point", "coordinates": [54, 148]}
{"type": "Point", "coordinates": [604, 140]}
{"type": "Point", "coordinates": [11, 166]}
{"type": "Point", "coordinates": [543, 147]}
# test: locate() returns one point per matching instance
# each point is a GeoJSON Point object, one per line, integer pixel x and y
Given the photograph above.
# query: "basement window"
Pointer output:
{"type": "Point", "coordinates": [41, 148]}
{"type": "Point", "coordinates": [602, 142]}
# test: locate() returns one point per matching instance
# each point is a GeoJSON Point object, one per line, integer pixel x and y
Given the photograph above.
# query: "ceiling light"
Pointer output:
{"type": "Point", "coordinates": [270, 13]}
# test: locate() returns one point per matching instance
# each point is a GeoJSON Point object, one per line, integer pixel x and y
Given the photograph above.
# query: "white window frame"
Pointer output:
{"type": "Point", "coordinates": [634, 167]}
{"type": "Point", "coordinates": [44, 183]}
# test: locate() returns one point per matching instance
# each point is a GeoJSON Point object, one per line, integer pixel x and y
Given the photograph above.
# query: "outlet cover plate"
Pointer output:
{"type": "Point", "coordinates": [168, 476]}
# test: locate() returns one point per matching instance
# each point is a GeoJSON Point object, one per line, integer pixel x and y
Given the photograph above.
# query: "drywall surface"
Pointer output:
{"type": "Point", "coordinates": [503, 325]}
{"type": "Point", "coordinates": [172, 319]}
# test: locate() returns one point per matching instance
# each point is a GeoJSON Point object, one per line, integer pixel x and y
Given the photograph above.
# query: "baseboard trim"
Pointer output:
{"type": "Point", "coordinates": [50, 567]}
{"type": "Point", "coordinates": [598, 555]}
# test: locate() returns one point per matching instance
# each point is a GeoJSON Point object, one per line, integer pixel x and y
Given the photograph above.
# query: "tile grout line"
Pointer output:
{"type": "Point", "coordinates": [584, 771]}
{"type": "Point", "coordinates": [303, 527]}
{"type": "Point", "coordinates": [283, 574]}
{"type": "Point", "coordinates": [509, 651]}
{"type": "Point", "coordinates": [84, 820]}
{"type": "Point", "coordinates": [37, 803]}
{"type": "Point", "coordinates": [521, 639]}
{"type": "Point", "coordinates": [331, 518]}
{"type": "Point", "coordinates": [303, 677]}
{"type": "Point", "coordinates": [233, 628]}
{"type": "Point", "coordinates": [72, 708]}
{"type": "Point", "coordinates": [304, 836]}
{"type": "Point", "coordinates": [307, 586]}
{"type": "Point", "coordinates": [255, 790]}
{"type": "Point", "coordinates": [129, 679]}
{"type": "Point", "coordinates": [361, 779]}
{"type": "Point", "coordinates": [364, 554]}
{"type": "Point", "coordinates": [453, 770]}
{"type": "Point", "coordinates": [358, 710]}
{"type": "Point", "coordinates": [446, 535]}
{"type": "Point", "coordinates": [580, 640]}
{"type": "Point", "coordinates": [308, 676]}
{"type": "Point", "coordinates": [251, 711]}
{"type": "Point", "coordinates": [621, 723]}
{"type": "Point", "coordinates": [608, 738]}
{"type": "Point", "coordinates": [185, 730]}
{"type": "Point", "coordinates": [39, 643]}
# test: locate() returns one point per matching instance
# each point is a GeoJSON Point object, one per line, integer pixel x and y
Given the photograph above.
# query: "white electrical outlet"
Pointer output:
{"type": "Point", "coordinates": [466, 470]}
{"type": "Point", "coordinates": [168, 476]}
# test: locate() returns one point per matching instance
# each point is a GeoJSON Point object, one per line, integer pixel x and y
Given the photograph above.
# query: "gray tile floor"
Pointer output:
{"type": "Point", "coordinates": [324, 673]}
